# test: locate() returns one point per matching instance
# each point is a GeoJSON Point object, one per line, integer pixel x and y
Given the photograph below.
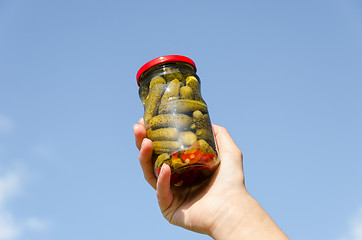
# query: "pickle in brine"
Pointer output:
{"type": "Point", "coordinates": [164, 134]}
{"type": "Point", "coordinates": [205, 147]}
{"type": "Point", "coordinates": [182, 106]}
{"type": "Point", "coordinates": [206, 135]}
{"type": "Point", "coordinates": [201, 120]}
{"type": "Point", "coordinates": [172, 73]}
{"type": "Point", "coordinates": [153, 101]}
{"type": "Point", "coordinates": [160, 147]}
{"type": "Point", "coordinates": [172, 90]}
{"type": "Point", "coordinates": [188, 138]}
{"type": "Point", "coordinates": [203, 128]}
{"type": "Point", "coordinates": [179, 121]}
{"type": "Point", "coordinates": [186, 93]}
{"type": "Point", "coordinates": [157, 80]}
{"type": "Point", "coordinates": [194, 84]}
{"type": "Point", "coordinates": [161, 159]}
{"type": "Point", "coordinates": [143, 93]}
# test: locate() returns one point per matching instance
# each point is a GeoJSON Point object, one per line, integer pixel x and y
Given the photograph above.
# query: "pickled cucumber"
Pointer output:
{"type": "Point", "coordinates": [148, 132]}
{"type": "Point", "coordinates": [164, 134]}
{"type": "Point", "coordinates": [186, 92]}
{"type": "Point", "coordinates": [188, 138]}
{"type": "Point", "coordinates": [172, 90]}
{"type": "Point", "coordinates": [194, 84]}
{"type": "Point", "coordinates": [201, 120]}
{"type": "Point", "coordinates": [206, 135]}
{"type": "Point", "coordinates": [161, 159]}
{"type": "Point", "coordinates": [180, 121]}
{"type": "Point", "coordinates": [172, 73]}
{"type": "Point", "coordinates": [160, 147]}
{"type": "Point", "coordinates": [182, 106]}
{"type": "Point", "coordinates": [207, 122]}
{"type": "Point", "coordinates": [205, 147]}
{"type": "Point", "coordinates": [203, 127]}
{"type": "Point", "coordinates": [153, 101]}
{"type": "Point", "coordinates": [157, 80]}
{"type": "Point", "coordinates": [143, 92]}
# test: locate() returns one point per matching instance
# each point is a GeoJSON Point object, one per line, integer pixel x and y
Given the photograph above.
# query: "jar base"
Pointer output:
{"type": "Point", "coordinates": [190, 175]}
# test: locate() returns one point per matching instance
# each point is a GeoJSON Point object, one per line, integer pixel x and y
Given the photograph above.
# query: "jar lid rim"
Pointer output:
{"type": "Point", "coordinates": [163, 59]}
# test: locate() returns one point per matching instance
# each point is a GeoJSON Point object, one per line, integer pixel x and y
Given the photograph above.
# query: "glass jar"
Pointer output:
{"type": "Point", "coordinates": [177, 120]}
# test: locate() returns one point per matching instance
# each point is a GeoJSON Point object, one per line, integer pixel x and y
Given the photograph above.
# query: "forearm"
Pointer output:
{"type": "Point", "coordinates": [245, 220]}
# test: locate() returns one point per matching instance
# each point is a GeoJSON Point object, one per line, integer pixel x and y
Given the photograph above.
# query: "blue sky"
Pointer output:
{"type": "Point", "coordinates": [284, 77]}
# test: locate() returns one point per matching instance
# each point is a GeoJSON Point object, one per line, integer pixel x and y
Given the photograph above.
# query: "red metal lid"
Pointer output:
{"type": "Point", "coordinates": [163, 59]}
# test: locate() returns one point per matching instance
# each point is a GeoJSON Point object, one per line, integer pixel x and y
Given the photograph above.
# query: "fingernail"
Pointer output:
{"type": "Point", "coordinates": [143, 142]}
{"type": "Point", "coordinates": [162, 167]}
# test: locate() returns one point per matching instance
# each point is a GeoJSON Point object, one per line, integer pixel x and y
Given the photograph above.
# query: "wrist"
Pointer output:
{"type": "Point", "coordinates": [232, 215]}
{"type": "Point", "coordinates": [243, 218]}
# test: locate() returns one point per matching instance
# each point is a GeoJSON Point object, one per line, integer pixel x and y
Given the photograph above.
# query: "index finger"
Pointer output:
{"type": "Point", "coordinates": [139, 133]}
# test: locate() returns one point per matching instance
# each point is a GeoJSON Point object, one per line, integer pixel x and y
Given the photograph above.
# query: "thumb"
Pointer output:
{"type": "Point", "coordinates": [163, 190]}
{"type": "Point", "coordinates": [227, 149]}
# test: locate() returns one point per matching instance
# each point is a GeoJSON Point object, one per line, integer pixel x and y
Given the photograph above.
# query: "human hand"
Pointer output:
{"type": "Point", "coordinates": [221, 207]}
{"type": "Point", "coordinates": [195, 208]}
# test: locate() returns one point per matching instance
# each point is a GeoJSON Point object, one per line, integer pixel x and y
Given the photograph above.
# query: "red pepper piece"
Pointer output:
{"type": "Point", "coordinates": [158, 171]}
{"type": "Point", "coordinates": [192, 157]}
{"type": "Point", "coordinates": [207, 158]}
{"type": "Point", "coordinates": [174, 155]}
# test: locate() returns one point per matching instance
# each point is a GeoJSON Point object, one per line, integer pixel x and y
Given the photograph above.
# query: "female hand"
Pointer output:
{"type": "Point", "coordinates": [220, 208]}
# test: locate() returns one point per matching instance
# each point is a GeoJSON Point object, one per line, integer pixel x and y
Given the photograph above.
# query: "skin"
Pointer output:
{"type": "Point", "coordinates": [221, 208]}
